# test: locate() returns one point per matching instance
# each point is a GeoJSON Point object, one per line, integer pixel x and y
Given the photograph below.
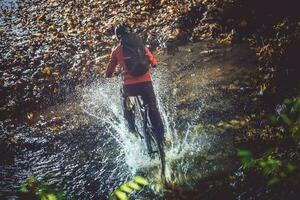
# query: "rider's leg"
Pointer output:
{"type": "Point", "coordinates": [146, 91]}
{"type": "Point", "coordinates": [128, 115]}
{"type": "Point", "coordinates": [149, 98]}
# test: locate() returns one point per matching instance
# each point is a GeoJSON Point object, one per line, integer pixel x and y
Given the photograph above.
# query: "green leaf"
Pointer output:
{"type": "Point", "coordinates": [286, 119]}
{"type": "Point", "coordinates": [133, 185]}
{"type": "Point", "coordinates": [274, 162]}
{"type": "Point", "coordinates": [121, 195]}
{"type": "Point", "coordinates": [262, 163]}
{"type": "Point", "coordinates": [60, 195]}
{"type": "Point", "coordinates": [287, 101]}
{"type": "Point", "coordinates": [141, 180]}
{"type": "Point", "coordinates": [248, 163]}
{"type": "Point", "coordinates": [295, 130]}
{"type": "Point", "coordinates": [41, 192]}
{"type": "Point", "coordinates": [273, 180]}
{"type": "Point", "coordinates": [246, 158]}
{"type": "Point", "coordinates": [23, 188]}
{"type": "Point", "coordinates": [129, 187]}
{"type": "Point", "coordinates": [282, 175]}
{"type": "Point", "coordinates": [244, 153]}
{"type": "Point", "coordinates": [290, 167]}
{"type": "Point", "coordinates": [49, 197]}
{"type": "Point", "coordinates": [125, 188]}
{"type": "Point", "coordinates": [273, 119]}
{"type": "Point", "coordinates": [296, 106]}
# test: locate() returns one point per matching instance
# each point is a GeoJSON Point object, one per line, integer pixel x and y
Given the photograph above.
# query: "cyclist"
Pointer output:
{"type": "Point", "coordinates": [134, 85]}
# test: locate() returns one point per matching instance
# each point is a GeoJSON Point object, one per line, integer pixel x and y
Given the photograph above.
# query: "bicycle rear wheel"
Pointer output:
{"type": "Point", "coordinates": [142, 126]}
{"type": "Point", "coordinates": [155, 143]}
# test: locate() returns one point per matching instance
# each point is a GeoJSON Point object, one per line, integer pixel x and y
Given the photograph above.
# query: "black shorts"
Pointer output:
{"type": "Point", "coordinates": [144, 89]}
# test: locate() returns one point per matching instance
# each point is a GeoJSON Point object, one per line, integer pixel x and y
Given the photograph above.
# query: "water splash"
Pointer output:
{"type": "Point", "coordinates": [90, 160]}
{"type": "Point", "coordinates": [104, 104]}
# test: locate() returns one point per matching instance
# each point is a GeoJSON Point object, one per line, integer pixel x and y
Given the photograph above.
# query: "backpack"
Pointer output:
{"type": "Point", "coordinates": [136, 61]}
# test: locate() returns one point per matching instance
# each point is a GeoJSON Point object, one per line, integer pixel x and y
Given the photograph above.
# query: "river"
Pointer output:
{"type": "Point", "coordinates": [82, 147]}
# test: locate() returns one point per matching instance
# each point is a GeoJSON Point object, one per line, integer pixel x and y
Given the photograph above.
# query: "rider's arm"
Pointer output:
{"type": "Point", "coordinates": [111, 65]}
{"type": "Point", "coordinates": [151, 57]}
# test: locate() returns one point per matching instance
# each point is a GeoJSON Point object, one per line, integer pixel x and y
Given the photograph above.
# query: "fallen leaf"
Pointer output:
{"type": "Point", "coordinates": [29, 115]}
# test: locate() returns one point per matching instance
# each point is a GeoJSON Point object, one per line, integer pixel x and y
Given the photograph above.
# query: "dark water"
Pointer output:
{"type": "Point", "coordinates": [72, 160]}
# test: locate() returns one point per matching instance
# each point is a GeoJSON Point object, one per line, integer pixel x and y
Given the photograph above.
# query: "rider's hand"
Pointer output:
{"type": "Point", "coordinates": [154, 66]}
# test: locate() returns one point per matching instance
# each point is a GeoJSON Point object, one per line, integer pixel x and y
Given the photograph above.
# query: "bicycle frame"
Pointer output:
{"type": "Point", "coordinates": [151, 141]}
{"type": "Point", "coordinates": [142, 110]}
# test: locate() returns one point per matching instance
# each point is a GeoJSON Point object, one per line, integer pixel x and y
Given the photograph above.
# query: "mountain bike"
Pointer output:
{"type": "Point", "coordinates": [154, 145]}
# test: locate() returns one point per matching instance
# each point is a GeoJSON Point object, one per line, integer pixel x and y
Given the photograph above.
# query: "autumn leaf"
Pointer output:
{"type": "Point", "coordinates": [46, 70]}
{"type": "Point", "coordinates": [226, 40]}
{"type": "Point", "coordinates": [41, 17]}
{"type": "Point", "coordinates": [55, 128]}
{"type": "Point", "coordinates": [29, 115]}
{"type": "Point", "coordinates": [146, 2]}
{"type": "Point", "coordinates": [263, 87]}
{"type": "Point", "coordinates": [14, 141]}
{"type": "Point", "coordinates": [243, 24]}
{"type": "Point", "coordinates": [176, 32]}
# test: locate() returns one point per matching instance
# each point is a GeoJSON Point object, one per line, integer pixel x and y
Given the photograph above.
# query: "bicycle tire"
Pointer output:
{"type": "Point", "coordinates": [152, 142]}
{"type": "Point", "coordinates": [155, 141]}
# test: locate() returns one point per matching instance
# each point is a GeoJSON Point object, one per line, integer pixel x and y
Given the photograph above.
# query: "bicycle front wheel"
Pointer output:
{"type": "Point", "coordinates": [160, 149]}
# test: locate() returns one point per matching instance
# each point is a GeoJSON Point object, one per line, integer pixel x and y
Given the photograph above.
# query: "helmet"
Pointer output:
{"type": "Point", "coordinates": [121, 29]}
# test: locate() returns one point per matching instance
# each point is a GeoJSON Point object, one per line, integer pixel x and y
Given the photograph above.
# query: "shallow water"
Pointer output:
{"type": "Point", "coordinates": [93, 153]}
